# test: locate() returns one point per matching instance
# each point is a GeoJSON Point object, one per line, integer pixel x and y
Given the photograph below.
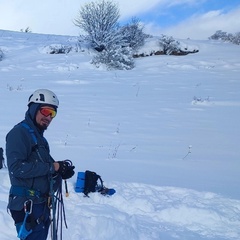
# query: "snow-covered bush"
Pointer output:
{"type": "Point", "coordinates": [220, 35]}
{"type": "Point", "coordinates": [200, 100]}
{"type": "Point", "coordinates": [1, 54]}
{"type": "Point", "coordinates": [57, 49]}
{"type": "Point", "coordinates": [152, 47]}
{"type": "Point", "coordinates": [114, 44]}
{"type": "Point", "coordinates": [169, 45]}
{"type": "Point", "coordinates": [133, 35]}
{"type": "Point", "coordinates": [115, 58]}
{"type": "Point", "coordinates": [26, 30]}
{"type": "Point", "coordinates": [236, 38]}
{"type": "Point", "coordinates": [226, 37]}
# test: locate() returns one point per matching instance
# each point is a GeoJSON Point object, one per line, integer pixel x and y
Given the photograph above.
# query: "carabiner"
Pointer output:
{"type": "Point", "coordinates": [28, 206]}
{"type": "Point", "coordinates": [24, 231]}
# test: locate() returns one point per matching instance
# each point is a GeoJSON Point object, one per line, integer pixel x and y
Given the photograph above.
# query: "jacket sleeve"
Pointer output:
{"type": "Point", "coordinates": [21, 160]}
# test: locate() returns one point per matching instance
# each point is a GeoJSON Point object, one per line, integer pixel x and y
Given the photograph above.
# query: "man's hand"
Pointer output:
{"type": "Point", "coordinates": [64, 168]}
{"type": "Point", "coordinates": [56, 166]}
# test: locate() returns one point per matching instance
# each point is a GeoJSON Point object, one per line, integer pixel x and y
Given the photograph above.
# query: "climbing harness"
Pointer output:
{"type": "Point", "coordinates": [55, 199]}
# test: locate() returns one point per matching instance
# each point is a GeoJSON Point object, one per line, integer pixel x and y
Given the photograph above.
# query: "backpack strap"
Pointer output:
{"type": "Point", "coordinates": [31, 131]}
{"type": "Point", "coordinates": [101, 186]}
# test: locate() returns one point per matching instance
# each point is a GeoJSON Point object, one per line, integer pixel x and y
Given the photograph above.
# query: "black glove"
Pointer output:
{"type": "Point", "coordinates": [66, 169]}
{"type": "Point", "coordinates": [68, 173]}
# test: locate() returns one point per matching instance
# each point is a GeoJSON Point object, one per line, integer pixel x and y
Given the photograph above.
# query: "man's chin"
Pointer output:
{"type": "Point", "coordinates": [42, 127]}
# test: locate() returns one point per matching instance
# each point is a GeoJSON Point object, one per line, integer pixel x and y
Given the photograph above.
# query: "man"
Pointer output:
{"type": "Point", "coordinates": [1, 158]}
{"type": "Point", "coordinates": [34, 175]}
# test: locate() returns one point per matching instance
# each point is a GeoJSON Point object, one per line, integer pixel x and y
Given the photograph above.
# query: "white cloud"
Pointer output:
{"type": "Point", "coordinates": [53, 16]}
{"type": "Point", "coordinates": [172, 3]}
{"type": "Point", "coordinates": [132, 8]}
{"type": "Point", "coordinates": [201, 26]}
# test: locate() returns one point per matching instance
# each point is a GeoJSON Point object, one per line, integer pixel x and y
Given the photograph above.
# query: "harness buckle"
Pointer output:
{"type": "Point", "coordinates": [31, 193]}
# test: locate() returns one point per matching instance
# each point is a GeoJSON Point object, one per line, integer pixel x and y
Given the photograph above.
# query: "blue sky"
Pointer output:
{"type": "Point", "coordinates": [174, 14]}
{"type": "Point", "coordinates": [196, 19]}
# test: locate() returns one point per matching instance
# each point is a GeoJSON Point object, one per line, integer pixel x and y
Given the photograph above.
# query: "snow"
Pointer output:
{"type": "Point", "coordinates": [165, 135]}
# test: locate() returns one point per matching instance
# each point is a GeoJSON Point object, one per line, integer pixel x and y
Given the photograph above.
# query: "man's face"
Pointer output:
{"type": "Point", "coordinates": [44, 117]}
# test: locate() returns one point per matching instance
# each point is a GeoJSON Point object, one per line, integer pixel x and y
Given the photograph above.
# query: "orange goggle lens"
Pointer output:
{"type": "Point", "coordinates": [48, 111]}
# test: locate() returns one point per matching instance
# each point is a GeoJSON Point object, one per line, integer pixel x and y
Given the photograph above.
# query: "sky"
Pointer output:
{"type": "Point", "coordinates": [196, 19]}
{"type": "Point", "coordinates": [165, 135]}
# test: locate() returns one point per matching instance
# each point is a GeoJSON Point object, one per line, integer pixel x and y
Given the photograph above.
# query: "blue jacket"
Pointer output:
{"type": "Point", "coordinates": [30, 166]}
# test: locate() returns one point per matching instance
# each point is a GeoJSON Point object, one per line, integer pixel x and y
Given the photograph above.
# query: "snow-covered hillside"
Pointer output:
{"type": "Point", "coordinates": [165, 135]}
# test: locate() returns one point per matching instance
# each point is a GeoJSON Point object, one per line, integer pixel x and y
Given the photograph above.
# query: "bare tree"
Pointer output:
{"type": "Point", "coordinates": [133, 34]}
{"type": "Point", "coordinates": [100, 21]}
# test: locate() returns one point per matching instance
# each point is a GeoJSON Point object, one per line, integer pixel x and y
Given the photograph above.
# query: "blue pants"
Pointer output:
{"type": "Point", "coordinates": [39, 211]}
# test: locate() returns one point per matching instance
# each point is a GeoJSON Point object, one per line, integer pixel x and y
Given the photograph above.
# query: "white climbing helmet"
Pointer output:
{"type": "Point", "coordinates": [44, 96]}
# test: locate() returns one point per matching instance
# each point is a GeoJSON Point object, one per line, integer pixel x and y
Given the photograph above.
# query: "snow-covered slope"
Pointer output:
{"type": "Point", "coordinates": [165, 135]}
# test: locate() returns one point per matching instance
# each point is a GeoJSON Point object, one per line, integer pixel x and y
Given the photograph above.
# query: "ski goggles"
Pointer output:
{"type": "Point", "coordinates": [46, 111]}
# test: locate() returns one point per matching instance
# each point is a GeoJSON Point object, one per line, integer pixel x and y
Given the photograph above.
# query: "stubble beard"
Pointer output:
{"type": "Point", "coordinates": [43, 125]}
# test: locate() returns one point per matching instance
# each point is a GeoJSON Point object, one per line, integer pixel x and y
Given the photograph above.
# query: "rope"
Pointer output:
{"type": "Point", "coordinates": [58, 212]}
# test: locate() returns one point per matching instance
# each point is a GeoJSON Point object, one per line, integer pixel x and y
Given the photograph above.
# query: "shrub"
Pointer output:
{"type": "Point", "coordinates": [226, 37]}
{"type": "Point", "coordinates": [1, 55]}
{"type": "Point", "coordinates": [115, 58]}
{"type": "Point", "coordinates": [57, 49]}
{"type": "Point", "coordinates": [133, 35]}
{"type": "Point", "coordinates": [169, 45]}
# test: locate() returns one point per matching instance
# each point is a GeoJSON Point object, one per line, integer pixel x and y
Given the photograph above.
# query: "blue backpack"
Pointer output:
{"type": "Point", "coordinates": [89, 181]}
